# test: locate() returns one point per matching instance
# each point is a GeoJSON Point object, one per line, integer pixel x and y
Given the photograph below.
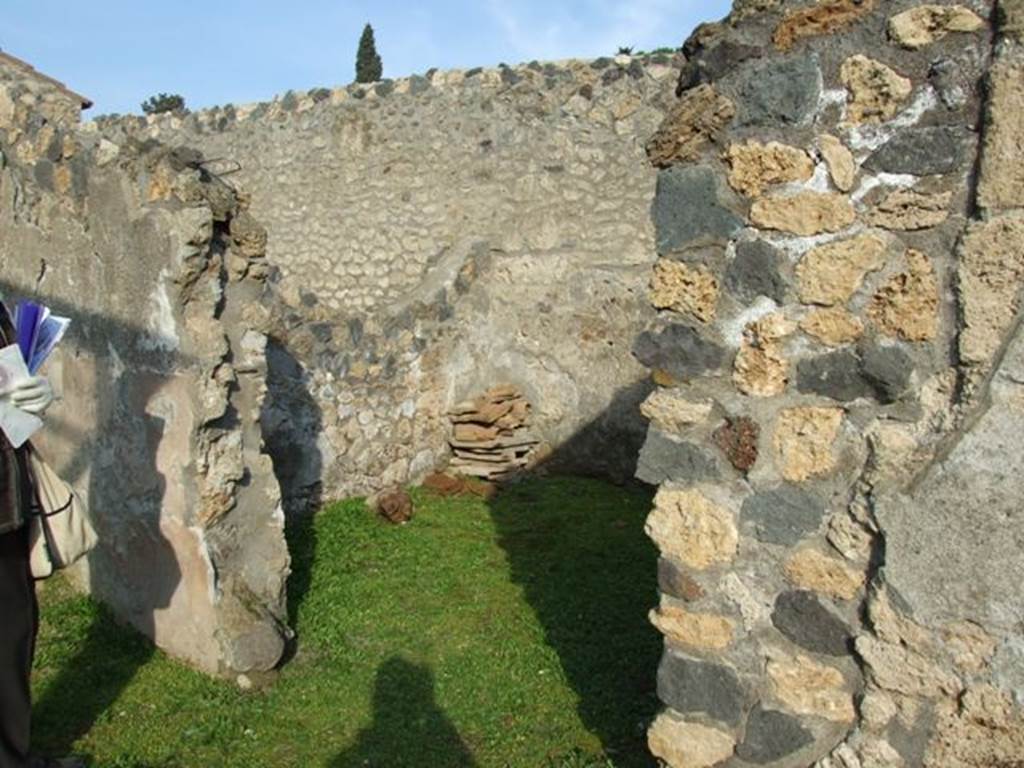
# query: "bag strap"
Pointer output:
{"type": "Point", "coordinates": [36, 505]}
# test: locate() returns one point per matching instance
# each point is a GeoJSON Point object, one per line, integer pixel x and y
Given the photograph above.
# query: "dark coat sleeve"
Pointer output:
{"type": "Point", "coordinates": [11, 492]}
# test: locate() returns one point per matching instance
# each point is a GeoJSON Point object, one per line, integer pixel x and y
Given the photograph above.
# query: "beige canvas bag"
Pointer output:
{"type": "Point", "coordinates": [59, 529]}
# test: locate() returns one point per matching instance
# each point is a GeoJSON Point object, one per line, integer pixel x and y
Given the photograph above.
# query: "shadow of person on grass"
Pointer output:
{"type": "Point", "coordinates": [409, 730]}
{"type": "Point", "coordinates": [589, 572]}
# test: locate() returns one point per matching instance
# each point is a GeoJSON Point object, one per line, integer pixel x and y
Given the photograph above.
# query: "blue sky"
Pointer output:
{"type": "Point", "coordinates": [119, 52]}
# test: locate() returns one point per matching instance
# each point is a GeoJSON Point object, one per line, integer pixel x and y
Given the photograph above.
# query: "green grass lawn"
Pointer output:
{"type": "Point", "coordinates": [509, 632]}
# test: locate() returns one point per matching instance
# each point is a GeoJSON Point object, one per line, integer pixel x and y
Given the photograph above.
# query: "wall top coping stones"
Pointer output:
{"type": "Point", "coordinates": [588, 76]}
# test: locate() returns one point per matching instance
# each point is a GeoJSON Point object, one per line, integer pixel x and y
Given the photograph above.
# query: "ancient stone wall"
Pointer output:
{"type": "Point", "coordinates": [162, 380]}
{"type": "Point", "coordinates": [28, 96]}
{"type": "Point", "coordinates": [837, 356]}
{"type": "Point", "coordinates": [367, 190]}
{"type": "Point", "coordinates": [822, 245]}
{"type": "Point", "coordinates": [436, 235]}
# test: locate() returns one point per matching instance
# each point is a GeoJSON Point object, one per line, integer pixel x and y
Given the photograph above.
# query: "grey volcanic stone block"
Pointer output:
{"type": "Point", "coordinates": [771, 735]}
{"type": "Point", "coordinates": [844, 375]}
{"type": "Point", "coordinates": [888, 370]}
{"type": "Point", "coordinates": [836, 375]}
{"type": "Point", "coordinates": [708, 65]}
{"type": "Point", "coordinates": [688, 685]}
{"type": "Point", "coordinates": [920, 151]}
{"type": "Point", "coordinates": [779, 92]}
{"type": "Point", "coordinates": [756, 271]}
{"type": "Point", "coordinates": [783, 515]}
{"type": "Point", "coordinates": [663, 459]}
{"type": "Point", "coordinates": [800, 616]}
{"type": "Point", "coordinates": [688, 211]}
{"type": "Point", "coordinates": [679, 350]}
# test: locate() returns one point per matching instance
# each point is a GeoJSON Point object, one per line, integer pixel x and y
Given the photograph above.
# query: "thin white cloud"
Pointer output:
{"type": "Point", "coordinates": [638, 23]}
{"type": "Point", "coordinates": [597, 27]}
{"type": "Point", "coordinates": [523, 35]}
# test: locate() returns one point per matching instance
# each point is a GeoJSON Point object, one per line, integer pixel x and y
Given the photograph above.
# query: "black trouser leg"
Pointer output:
{"type": "Point", "coordinates": [17, 638]}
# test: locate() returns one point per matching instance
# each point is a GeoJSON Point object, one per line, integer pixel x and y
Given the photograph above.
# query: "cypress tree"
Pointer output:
{"type": "Point", "coordinates": [368, 65]}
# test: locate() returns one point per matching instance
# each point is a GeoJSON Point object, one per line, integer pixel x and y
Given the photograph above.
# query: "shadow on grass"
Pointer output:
{"type": "Point", "coordinates": [89, 682]}
{"type": "Point", "coordinates": [409, 729]}
{"type": "Point", "coordinates": [589, 573]}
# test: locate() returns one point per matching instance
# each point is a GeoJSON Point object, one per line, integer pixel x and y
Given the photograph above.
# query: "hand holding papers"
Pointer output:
{"type": "Point", "coordinates": [17, 424]}
{"type": "Point", "coordinates": [33, 395]}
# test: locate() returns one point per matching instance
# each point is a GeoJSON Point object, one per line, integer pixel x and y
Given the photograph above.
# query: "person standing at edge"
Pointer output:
{"type": "Point", "coordinates": [18, 610]}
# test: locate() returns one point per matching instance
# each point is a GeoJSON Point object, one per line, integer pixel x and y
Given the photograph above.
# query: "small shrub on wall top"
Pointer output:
{"type": "Point", "coordinates": [163, 102]}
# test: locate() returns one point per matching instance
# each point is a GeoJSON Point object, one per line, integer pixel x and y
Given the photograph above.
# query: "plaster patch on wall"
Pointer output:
{"type": "Point", "coordinates": [213, 584]}
{"type": "Point", "coordinates": [866, 138]}
{"type": "Point", "coordinates": [796, 247]}
{"type": "Point", "coordinates": [160, 324]}
{"type": "Point", "coordinates": [732, 330]}
{"type": "Point", "coordinates": [892, 180]}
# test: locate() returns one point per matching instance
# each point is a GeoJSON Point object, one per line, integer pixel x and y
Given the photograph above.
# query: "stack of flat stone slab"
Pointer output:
{"type": "Point", "coordinates": [490, 435]}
